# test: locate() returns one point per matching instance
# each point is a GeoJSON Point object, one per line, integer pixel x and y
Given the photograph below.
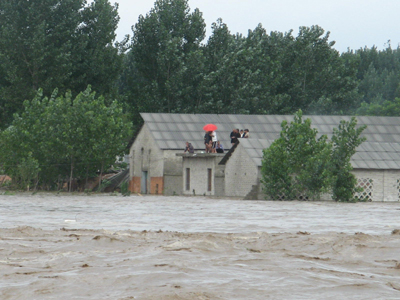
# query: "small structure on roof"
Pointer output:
{"type": "Point", "coordinates": [159, 166]}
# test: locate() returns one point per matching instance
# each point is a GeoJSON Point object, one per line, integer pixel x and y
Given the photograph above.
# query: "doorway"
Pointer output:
{"type": "Point", "coordinates": [143, 183]}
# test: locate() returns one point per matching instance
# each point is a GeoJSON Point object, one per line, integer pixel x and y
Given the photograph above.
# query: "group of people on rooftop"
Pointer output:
{"type": "Point", "coordinates": [236, 134]}
{"type": "Point", "coordinates": [213, 145]}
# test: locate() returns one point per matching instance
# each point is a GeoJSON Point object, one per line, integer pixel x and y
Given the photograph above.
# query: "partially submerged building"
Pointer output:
{"type": "Point", "coordinates": [159, 166]}
{"type": "Point", "coordinates": [376, 167]}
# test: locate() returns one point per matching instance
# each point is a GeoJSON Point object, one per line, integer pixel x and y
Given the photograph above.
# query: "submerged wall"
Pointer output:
{"type": "Point", "coordinates": [241, 173]}
{"type": "Point", "coordinates": [146, 163]}
{"type": "Point", "coordinates": [202, 175]}
{"type": "Point", "coordinates": [379, 185]}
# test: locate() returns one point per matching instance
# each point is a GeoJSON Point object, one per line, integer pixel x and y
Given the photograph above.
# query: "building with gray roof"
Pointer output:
{"type": "Point", "coordinates": [376, 167]}
{"type": "Point", "coordinates": [158, 165]}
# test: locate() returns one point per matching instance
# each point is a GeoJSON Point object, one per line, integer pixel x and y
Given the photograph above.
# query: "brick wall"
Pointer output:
{"type": "Point", "coordinates": [156, 185]}
{"type": "Point", "coordinates": [134, 185]}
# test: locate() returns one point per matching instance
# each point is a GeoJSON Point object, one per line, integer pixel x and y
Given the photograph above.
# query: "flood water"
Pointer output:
{"type": "Point", "coordinates": [157, 247]}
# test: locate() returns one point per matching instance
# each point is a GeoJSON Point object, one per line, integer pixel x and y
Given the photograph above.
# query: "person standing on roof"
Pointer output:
{"type": "Point", "coordinates": [214, 141]}
{"type": "Point", "coordinates": [208, 141]}
{"type": "Point", "coordinates": [234, 136]}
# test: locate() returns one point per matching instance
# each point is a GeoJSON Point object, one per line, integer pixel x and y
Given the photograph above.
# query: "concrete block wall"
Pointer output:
{"type": "Point", "coordinates": [173, 185]}
{"type": "Point", "coordinates": [172, 163]}
{"type": "Point", "coordinates": [172, 172]}
{"type": "Point", "coordinates": [219, 180]}
{"type": "Point", "coordinates": [241, 173]}
{"type": "Point", "coordinates": [385, 184]}
{"type": "Point", "coordinates": [391, 187]}
{"type": "Point", "coordinates": [145, 155]}
{"type": "Point", "coordinates": [199, 166]}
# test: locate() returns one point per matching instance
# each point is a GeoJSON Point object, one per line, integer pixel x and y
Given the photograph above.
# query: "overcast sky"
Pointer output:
{"type": "Point", "coordinates": [352, 23]}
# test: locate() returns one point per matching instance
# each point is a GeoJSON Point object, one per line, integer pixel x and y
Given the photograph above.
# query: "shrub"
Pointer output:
{"type": "Point", "coordinates": [298, 165]}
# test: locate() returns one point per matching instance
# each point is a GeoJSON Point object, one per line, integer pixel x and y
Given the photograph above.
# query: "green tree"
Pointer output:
{"type": "Point", "coordinates": [298, 165]}
{"type": "Point", "coordinates": [346, 138]}
{"type": "Point", "coordinates": [165, 55]}
{"type": "Point", "coordinates": [68, 137]}
{"type": "Point", "coordinates": [379, 75]}
{"type": "Point", "coordinates": [250, 74]}
{"type": "Point", "coordinates": [382, 108]}
{"type": "Point", "coordinates": [278, 73]}
{"type": "Point", "coordinates": [318, 81]}
{"type": "Point", "coordinates": [28, 171]}
{"type": "Point", "coordinates": [218, 89]}
{"type": "Point", "coordinates": [98, 57]}
{"type": "Point", "coordinates": [55, 44]}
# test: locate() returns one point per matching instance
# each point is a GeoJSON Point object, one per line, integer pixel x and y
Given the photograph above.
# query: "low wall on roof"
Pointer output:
{"type": "Point", "coordinates": [202, 175]}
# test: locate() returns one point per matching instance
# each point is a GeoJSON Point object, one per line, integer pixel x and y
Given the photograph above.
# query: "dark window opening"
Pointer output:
{"type": "Point", "coordinates": [188, 179]}
{"type": "Point", "coordinates": [209, 181]}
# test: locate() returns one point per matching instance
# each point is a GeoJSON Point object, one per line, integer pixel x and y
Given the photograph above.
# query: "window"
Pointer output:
{"type": "Point", "coordinates": [188, 179]}
{"type": "Point", "coordinates": [367, 184]}
{"type": "Point", "coordinates": [209, 180]}
{"type": "Point", "coordinates": [398, 189]}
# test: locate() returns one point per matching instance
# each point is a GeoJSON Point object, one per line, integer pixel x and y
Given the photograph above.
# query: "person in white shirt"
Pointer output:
{"type": "Point", "coordinates": [214, 141]}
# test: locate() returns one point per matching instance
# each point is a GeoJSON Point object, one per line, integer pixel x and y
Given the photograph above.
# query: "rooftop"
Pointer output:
{"type": "Point", "coordinates": [171, 131]}
{"type": "Point", "coordinates": [369, 155]}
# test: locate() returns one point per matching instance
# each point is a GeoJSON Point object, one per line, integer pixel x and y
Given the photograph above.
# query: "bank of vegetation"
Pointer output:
{"type": "Point", "coordinates": [52, 51]}
{"type": "Point", "coordinates": [302, 165]}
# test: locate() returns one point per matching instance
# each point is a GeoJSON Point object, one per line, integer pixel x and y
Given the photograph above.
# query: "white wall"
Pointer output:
{"type": "Point", "coordinates": [385, 183]}
{"type": "Point", "coordinates": [241, 173]}
{"type": "Point", "coordinates": [145, 155]}
{"type": "Point", "coordinates": [172, 172]}
{"type": "Point", "coordinates": [199, 166]}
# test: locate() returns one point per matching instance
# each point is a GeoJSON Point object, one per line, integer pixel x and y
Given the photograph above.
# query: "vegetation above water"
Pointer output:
{"type": "Point", "coordinates": [60, 138]}
{"type": "Point", "coordinates": [167, 66]}
{"type": "Point", "coordinates": [298, 165]}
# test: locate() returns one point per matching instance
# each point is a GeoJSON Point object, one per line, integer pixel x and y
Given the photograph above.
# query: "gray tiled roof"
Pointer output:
{"type": "Point", "coordinates": [369, 155]}
{"type": "Point", "coordinates": [171, 131]}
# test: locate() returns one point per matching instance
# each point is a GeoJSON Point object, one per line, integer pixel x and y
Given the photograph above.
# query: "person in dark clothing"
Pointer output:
{"type": "Point", "coordinates": [189, 148]}
{"type": "Point", "coordinates": [234, 136]}
{"type": "Point", "coordinates": [208, 141]}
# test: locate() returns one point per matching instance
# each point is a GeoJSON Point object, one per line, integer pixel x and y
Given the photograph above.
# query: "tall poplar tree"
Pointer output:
{"type": "Point", "coordinates": [165, 53]}
{"type": "Point", "coordinates": [52, 44]}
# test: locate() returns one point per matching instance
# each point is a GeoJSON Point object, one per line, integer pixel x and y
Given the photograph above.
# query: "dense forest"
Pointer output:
{"type": "Point", "coordinates": [169, 65]}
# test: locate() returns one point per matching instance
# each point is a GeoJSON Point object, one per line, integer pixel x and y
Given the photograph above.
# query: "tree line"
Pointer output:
{"type": "Point", "coordinates": [169, 65]}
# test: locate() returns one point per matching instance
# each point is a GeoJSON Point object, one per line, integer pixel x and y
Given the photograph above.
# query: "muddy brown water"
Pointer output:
{"type": "Point", "coordinates": [156, 247]}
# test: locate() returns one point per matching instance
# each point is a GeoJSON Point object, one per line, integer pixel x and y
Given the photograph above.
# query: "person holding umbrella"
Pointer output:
{"type": "Point", "coordinates": [208, 141]}
{"type": "Point", "coordinates": [208, 137]}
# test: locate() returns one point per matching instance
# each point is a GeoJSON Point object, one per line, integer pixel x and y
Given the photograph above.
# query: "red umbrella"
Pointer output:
{"type": "Point", "coordinates": [210, 127]}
